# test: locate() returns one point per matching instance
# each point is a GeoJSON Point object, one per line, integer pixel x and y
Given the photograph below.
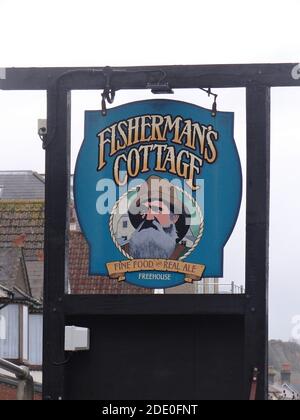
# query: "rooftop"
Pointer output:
{"type": "Point", "coordinates": [22, 242]}
{"type": "Point", "coordinates": [21, 185]}
{"type": "Point", "coordinates": [22, 225]}
{"type": "Point", "coordinates": [82, 283]}
{"type": "Point", "coordinates": [13, 275]}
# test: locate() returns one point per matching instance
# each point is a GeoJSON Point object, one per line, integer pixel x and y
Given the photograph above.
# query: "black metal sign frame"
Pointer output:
{"type": "Point", "coordinates": [253, 306]}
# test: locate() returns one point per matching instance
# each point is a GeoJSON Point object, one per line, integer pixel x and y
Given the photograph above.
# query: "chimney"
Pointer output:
{"type": "Point", "coordinates": [271, 375]}
{"type": "Point", "coordinates": [19, 241]}
{"type": "Point", "coordinates": [286, 373]}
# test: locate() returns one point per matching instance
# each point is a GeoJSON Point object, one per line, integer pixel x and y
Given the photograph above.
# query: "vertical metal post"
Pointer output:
{"type": "Point", "coordinates": [56, 234]}
{"type": "Point", "coordinates": [257, 237]}
{"type": "Point", "coordinates": [25, 389]}
{"type": "Point", "coordinates": [232, 287]}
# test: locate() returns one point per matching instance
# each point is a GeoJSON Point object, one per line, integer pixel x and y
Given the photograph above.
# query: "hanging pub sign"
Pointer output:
{"type": "Point", "coordinates": [158, 189]}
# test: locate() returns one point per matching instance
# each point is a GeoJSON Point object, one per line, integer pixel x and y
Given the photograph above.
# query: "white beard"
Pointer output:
{"type": "Point", "coordinates": [152, 243]}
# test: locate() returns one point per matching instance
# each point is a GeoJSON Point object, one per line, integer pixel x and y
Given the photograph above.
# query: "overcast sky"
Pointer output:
{"type": "Point", "coordinates": [131, 32]}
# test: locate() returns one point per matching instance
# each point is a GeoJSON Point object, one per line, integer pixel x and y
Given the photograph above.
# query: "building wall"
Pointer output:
{"type": "Point", "coordinates": [9, 393]}
{"type": "Point", "coordinates": [205, 286]}
{"type": "Point", "coordinates": [208, 286]}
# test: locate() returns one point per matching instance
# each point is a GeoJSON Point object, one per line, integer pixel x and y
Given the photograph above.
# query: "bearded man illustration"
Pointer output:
{"type": "Point", "coordinates": [160, 220]}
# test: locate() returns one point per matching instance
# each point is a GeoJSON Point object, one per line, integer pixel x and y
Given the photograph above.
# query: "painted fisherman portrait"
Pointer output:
{"type": "Point", "coordinates": [160, 222]}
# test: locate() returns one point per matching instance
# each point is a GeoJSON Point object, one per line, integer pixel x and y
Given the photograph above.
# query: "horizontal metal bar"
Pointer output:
{"type": "Point", "coordinates": [221, 284]}
{"type": "Point", "coordinates": [194, 76]}
{"type": "Point", "coordinates": [154, 304]}
{"type": "Point", "coordinates": [19, 371]}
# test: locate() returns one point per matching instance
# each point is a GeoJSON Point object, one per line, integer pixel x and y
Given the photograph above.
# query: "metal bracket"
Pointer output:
{"type": "Point", "coordinates": [161, 87]}
{"type": "Point", "coordinates": [214, 105]}
{"type": "Point", "coordinates": [108, 93]}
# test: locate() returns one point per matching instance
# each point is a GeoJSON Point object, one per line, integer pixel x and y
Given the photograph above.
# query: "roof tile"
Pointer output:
{"type": "Point", "coordinates": [19, 218]}
{"type": "Point", "coordinates": [80, 280]}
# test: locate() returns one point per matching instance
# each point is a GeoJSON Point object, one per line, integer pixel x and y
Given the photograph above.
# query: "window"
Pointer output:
{"type": "Point", "coordinates": [2, 328]}
{"type": "Point", "coordinates": [10, 332]}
